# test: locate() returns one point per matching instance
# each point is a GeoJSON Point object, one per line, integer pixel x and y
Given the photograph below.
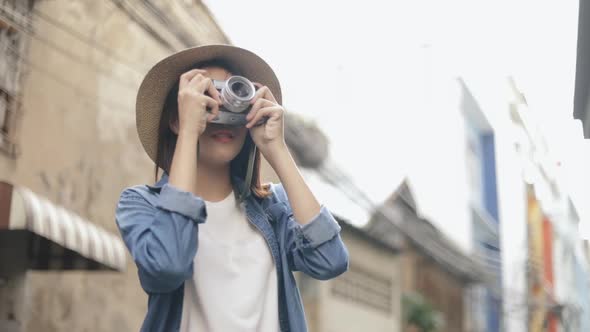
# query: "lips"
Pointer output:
{"type": "Point", "coordinates": [223, 135]}
{"type": "Point", "coordinates": [223, 132]}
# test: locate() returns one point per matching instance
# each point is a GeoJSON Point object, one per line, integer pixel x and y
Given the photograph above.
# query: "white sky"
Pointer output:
{"type": "Point", "coordinates": [365, 70]}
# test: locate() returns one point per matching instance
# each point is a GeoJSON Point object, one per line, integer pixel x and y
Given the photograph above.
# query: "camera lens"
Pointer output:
{"type": "Point", "coordinates": [240, 89]}
{"type": "Point", "coordinates": [236, 93]}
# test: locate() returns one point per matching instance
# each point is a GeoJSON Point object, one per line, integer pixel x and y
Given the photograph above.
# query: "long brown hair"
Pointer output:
{"type": "Point", "coordinates": [167, 139]}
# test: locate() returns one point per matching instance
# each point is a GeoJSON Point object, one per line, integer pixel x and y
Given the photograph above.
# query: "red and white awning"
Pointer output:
{"type": "Point", "coordinates": [58, 239]}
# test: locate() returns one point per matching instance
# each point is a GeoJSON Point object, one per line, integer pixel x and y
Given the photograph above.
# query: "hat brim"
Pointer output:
{"type": "Point", "coordinates": [163, 75]}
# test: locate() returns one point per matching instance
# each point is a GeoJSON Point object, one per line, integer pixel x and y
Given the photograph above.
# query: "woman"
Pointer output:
{"type": "Point", "coordinates": [214, 248]}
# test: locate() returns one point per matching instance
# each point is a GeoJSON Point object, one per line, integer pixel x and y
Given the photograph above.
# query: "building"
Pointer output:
{"type": "Point", "coordinates": [582, 84]}
{"type": "Point", "coordinates": [395, 253]}
{"type": "Point", "coordinates": [367, 296]}
{"type": "Point", "coordinates": [556, 286]}
{"type": "Point", "coordinates": [571, 284]}
{"type": "Point", "coordinates": [517, 206]}
{"type": "Point", "coordinates": [431, 264]}
{"type": "Point", "coordinates": [68, 142]}
{"type": "Point", "coordinates": [480, 154]}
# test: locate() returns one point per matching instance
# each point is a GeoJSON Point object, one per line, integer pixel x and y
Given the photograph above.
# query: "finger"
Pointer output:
{"type": "Point", "coordinates": [189, 75]}
{"type": "Point", "coordinates": [213, 92]}
{"type": "Point", "coordinates": [260, 103]}
{"type": "Point", "coordinates": [195, 80]}
{"type": "Point", "coordinates": [264, 115]}
{"type": "Point", "coordinates": [268, 112]}
{"type": "Point", "coordinates": [263, 92]}
{"type": "Point", "coordinates": [212, 107]}
{"type": "Point", "coordinates": [201, 84]}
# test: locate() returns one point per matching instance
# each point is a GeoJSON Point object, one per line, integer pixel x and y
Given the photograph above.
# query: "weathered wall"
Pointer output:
{"type": "Point", "coordinates": [446, 294]}
{"type": "Point", "coordinates": [356, 300]}
{"type": "Point", "coordinates": [80, 147]}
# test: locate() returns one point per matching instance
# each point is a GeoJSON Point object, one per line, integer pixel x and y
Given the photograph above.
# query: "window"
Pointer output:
{"type": "Point", "coordinates": [11, 47]}
{"type": "Point", "coordinates": [3, 108]}
{"type": "Point", "coordinates": [365, 287]}
{"type": "Point", "coordinates": [473, 159]}
{"type": "Point", "coordinates": [8, 72]}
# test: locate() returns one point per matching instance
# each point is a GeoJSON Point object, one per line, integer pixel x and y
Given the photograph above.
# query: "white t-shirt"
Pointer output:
{"type": "Point", "coordinates": [234, 284]}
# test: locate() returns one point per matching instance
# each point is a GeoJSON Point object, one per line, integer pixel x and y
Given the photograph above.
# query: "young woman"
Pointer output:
{"type": "Point", "coordinates": [214, 248]}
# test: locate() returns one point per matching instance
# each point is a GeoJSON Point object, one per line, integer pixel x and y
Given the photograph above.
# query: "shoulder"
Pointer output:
{"type": "Point", "coordinates": [278, 193]}
{"type": "Point", "coordinates": [278, 202]}
{"type": "Point", "coordinates": [140, 193]}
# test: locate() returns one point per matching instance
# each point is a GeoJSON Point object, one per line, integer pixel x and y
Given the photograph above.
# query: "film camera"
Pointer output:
{"type": "Point", "coordinates": [236, 94]}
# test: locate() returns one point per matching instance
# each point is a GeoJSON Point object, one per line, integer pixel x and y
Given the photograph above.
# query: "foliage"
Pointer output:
{"type": "Point", "coordinates": [420, 314]}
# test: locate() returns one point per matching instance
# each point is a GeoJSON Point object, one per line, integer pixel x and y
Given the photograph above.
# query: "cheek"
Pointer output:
{"type": "Point", "coordinates": [242, 134]}
{"type": "Point", "coordinates": [239, 143]}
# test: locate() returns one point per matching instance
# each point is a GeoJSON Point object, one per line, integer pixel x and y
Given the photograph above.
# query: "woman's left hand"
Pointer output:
{"type": "Point", "coordinates": [268, 136]}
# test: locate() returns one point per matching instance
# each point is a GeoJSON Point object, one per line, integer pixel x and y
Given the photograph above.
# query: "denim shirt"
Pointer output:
{"type": "Point", "coordinates": [159, 225]}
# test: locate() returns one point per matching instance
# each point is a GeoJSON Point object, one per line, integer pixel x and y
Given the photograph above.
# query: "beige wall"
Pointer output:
{"type": "Point", "coordinates": [79, 148]}
{"type": "Point", "coordinates": [441, 289]}
{"type": "Point", "coordinates": [327, 311]}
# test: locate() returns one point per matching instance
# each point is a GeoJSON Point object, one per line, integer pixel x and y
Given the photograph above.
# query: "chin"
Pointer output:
{"type": "Point", "coordinates": [219, 154]}
{"type": "Point", "coordinates": [220, 158]}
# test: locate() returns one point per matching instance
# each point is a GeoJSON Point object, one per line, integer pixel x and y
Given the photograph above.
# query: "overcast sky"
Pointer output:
{"type": "Point", "coordinates": [365, 71]}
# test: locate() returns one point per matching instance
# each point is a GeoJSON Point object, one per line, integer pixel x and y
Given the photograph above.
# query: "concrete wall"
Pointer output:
{"type": "Point", "coordinates": [329, 310]}
{"type": "Point", "coordinates": [441, 289]}
{"type": "Point", "coordinates": [79, 145]}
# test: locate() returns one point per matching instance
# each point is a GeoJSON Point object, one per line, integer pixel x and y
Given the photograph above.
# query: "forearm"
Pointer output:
{"type": "Point", "coordinates": [184, 163]}
{"type": "Point", "coordinates": [303, 203]}
{"type": "Point", "coordinates": [161, 238]}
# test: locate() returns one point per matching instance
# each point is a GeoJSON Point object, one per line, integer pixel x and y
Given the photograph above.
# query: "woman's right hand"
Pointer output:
{"type": "Point", "coordinates": [193, 103]}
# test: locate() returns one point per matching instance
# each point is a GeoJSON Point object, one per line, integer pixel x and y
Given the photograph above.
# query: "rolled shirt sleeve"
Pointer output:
{"type": "Point", "coordinates": [315, 248]}
{"type": "Point", "coordinates": [162, 237]}
{"type": "Point", "coordinates": [320, 229]}
{"type": "Point", "coordinates": [183, 202]}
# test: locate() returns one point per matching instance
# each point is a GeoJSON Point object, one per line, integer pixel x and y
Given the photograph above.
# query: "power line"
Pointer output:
{"type": "Point", "coordinates": [446, 256]}
{"type": "Point", "coordinates": [26, 30]}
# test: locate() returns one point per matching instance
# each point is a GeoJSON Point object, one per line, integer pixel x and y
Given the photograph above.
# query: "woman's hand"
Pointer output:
{"type": "Point", "coordinates": [268, 136]}
{"type": "Point", "coordinates": [192, 121]}
{"type": "Point", "coordinates": [193, 103]}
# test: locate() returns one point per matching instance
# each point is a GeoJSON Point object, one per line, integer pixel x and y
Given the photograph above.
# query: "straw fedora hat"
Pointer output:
{"type": "Point", "coordinates": [163, 75]}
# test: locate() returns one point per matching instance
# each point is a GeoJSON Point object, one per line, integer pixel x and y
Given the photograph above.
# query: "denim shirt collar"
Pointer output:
{"type": "Point", "coordinates": [158, 185]}
{"type": "Point", "coordinates": [255, 209]}
{"type": "Point", "coordinates": [236, 181]}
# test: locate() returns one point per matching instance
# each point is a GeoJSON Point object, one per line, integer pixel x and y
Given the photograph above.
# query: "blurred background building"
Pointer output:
{"type": "Point", "coordinates": [582, 87]}
{"type": "Point", "coordinates": [511, 261]}
{"type": "Point", "coordinates": [530, 273]}
{"type": "Point", "coordinates": [69, 73]}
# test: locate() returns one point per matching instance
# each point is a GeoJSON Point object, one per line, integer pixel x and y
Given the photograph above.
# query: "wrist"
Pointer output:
{"type": "Point", "coordinates": [188, 134]}
{"type": "Point", "coordinates": [283, 164]}
{"type": "Point", "coordinates": [276, 152]}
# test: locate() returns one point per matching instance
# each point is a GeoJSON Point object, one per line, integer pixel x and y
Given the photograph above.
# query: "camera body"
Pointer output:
{"type": "Point", "coordinates": [236, 94]}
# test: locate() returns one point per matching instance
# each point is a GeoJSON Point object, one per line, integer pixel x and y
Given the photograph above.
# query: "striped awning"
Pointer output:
{"type": "Point", "coordinates": [53, 237]}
